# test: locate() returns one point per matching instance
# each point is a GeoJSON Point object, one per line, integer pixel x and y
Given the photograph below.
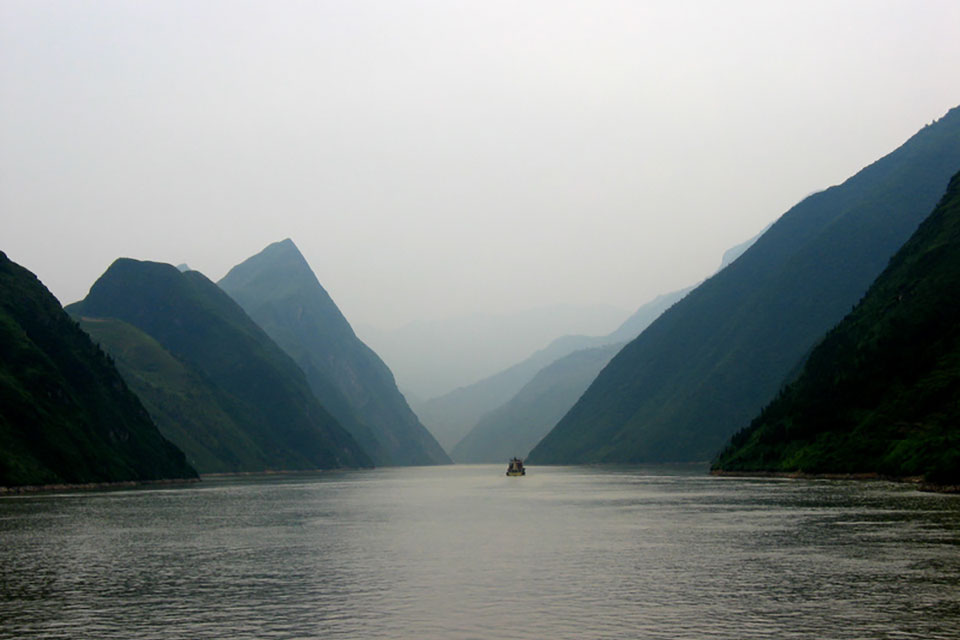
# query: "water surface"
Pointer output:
{"type": "Point", "coordinates": [465, 552]}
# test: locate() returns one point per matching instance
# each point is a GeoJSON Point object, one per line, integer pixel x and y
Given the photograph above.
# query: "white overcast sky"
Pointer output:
{"type": "Point", "coordinates": [435, 158]}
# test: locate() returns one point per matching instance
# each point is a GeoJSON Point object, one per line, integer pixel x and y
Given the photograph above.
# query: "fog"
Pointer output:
{"type": "Point", "coordinates": [434, 158]}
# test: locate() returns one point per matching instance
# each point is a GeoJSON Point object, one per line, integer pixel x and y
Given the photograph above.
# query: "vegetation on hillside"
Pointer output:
{"type": "Point", "coordinates": [881, 392]}
{"type": "Point", "coordinates": [708, 365]}
{"type": "Point", "coordinates": [66, 415]}
{"type": "Point", "coordinates": [207, 423]}
{"type": "Point", "coordinates": [201, 326]}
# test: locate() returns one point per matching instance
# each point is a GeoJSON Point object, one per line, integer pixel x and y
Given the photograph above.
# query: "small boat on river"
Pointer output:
{"type": "Point", "coordinates": [515, 468]}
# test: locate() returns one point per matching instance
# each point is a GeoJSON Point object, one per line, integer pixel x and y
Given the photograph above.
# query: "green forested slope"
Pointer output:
{"type": "Point", "coordinates": [282, 294]}
{"type": "Point", "coordinates": [200, 325]}
{"type": "Point", "coordinates": [881, 393]}
{"type": "Point", "coordinates": [66, 415]}
{"type": "Point", "coordinates": [207, 423]}
{"type": "Point", "coordinates": [711, 362]}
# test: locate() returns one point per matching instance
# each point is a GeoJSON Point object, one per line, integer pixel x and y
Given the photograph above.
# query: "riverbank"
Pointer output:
{"type": "Point", "coordinates": [90, 486]}
{"type": "Point", "coordinates": [917, 481]}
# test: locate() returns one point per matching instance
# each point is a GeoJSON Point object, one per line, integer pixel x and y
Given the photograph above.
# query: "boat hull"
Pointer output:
{"type": "Point", "coordinates": [515, 468]}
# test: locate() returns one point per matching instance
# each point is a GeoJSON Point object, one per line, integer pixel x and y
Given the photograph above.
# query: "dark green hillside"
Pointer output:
{"type": "Point", "coordinates": [281, 293]}
{"type": "Point", "coordinates": [516, 427]}
{"type": "Point", "coordinates": [66, 415]}
{"type": "Point", "coordinates": [200, 325]}
{"type": "Point", "coordinates": [881, 393]}
{"type": "Point", "coordinates": [207, 423]}
{"type": "Point", "coordinates": [710, 363]}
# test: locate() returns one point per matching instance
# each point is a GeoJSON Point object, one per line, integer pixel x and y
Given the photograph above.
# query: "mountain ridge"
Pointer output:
{"type": "Point", "coordinates": [279, 290]}
{"type": "Point", "coordinates": [453, 415]}
{"type": "Point", "coordinates": [66, 415]}
{"type": "Point", "coordinates": [434, 357]}
{"type": "Point", "coordinates": [879, 393]}
{"type": "Point", "coordinates": [515, 427]}
{"type": "Point", "coordinates": [199, 324]}
{"type": "Point", "coordinates": [712, 361]}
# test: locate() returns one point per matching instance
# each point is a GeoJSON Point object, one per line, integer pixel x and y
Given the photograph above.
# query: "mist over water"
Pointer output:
{"type": "Point", "coordinates": [464, 552]}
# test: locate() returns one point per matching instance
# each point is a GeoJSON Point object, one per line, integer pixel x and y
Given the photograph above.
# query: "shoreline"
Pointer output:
{"type": "Point", "coordinates": [126, 484]}
{"type": "Point", "coordinates": [89, 486]}
{"type": "Point", "coordinates": [916, 481]}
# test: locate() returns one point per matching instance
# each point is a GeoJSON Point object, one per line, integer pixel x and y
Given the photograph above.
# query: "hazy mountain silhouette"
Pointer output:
{"type": "Point", "coordinates": [880, 393]}
{"type": "Point", "coordinates": [452, 416]}
{"type": "Point", "coordinates": [433, 358]}
{"type": "Point", "coordinates": [280, 292]}
{"type": "Point", "coordinates": [735, 252]}
{"type": "Point", "coordinates": [515, 427]}
{"type": "Point", "coordinates": [710, 363]}
{"type": "Point", "coordinates": [66, 415]}
{"type": "Point", "coordinates": [201, 326]}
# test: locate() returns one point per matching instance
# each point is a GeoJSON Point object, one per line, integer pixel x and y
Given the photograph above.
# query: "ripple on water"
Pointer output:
{"type": "Point", "coordinates": [463, 552]}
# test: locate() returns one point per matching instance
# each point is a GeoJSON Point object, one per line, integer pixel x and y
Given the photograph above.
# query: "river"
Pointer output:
{"type": "Point", "coordinates": [465, 552]}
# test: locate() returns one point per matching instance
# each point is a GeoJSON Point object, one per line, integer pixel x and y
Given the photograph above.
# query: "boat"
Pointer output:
{"type": "Point", "coordinates": [515, 468]}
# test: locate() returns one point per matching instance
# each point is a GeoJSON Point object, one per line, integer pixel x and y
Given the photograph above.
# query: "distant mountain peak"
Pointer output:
{"type": "Point", "coordinates": [285, 246]}
{"type": "Point", "coordinates": [279, 290]}
{"type": "Point", "coordinates": [278, 256]}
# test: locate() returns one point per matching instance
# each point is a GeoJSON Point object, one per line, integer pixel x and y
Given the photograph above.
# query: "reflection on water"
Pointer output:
{"type": "Point", "coordinates": [465, 552]}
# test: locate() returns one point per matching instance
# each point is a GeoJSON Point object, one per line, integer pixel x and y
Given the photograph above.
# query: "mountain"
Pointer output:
{"type": "Point", "coordinates": [66, 415]}
{"type": "Point", "coordinates": [709, 364]}
{"type": "Point", "coordinates": [210, 425]}
{"type": "Point", "coordinates": [452, 416]}
{"type": "Point", "coordinates": [432, 358]}
{"type": "Point", "coordinates": [515, 427]}
{"type": "Point", "coordinates": [202, 327]}
{"type": "Point", "coordinates": [880, 393]}
{"type": "Point", "coordinates": [280, 292]}
{"type": "Point", "coordinates": [735, 252]}
{"type": "Point", "coordinates": [642, 317]}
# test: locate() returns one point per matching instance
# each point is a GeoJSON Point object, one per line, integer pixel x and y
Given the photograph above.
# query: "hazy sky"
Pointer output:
{"type": "Point", "coordinates": [433, 158]}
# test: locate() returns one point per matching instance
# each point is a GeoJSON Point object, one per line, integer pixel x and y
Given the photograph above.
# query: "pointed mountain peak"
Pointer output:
{"type": "Point", "coordinates": [280, 247]}
{"type": "Point", "coordinates": [279, 259]}
{"type": "Point", "coordinates": [281, 273]}
{"type": "Point", "coordinates": [284, 247]}
{"type": "Point", "coordinates": [279, 291]}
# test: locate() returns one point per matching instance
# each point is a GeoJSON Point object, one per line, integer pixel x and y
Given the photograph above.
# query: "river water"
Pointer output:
{"type": "Point", "coordinates": [465, 552]}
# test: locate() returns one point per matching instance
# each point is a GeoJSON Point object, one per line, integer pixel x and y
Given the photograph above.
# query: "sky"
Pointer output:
{"type": "Point", "coordinates": [440, 158]}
